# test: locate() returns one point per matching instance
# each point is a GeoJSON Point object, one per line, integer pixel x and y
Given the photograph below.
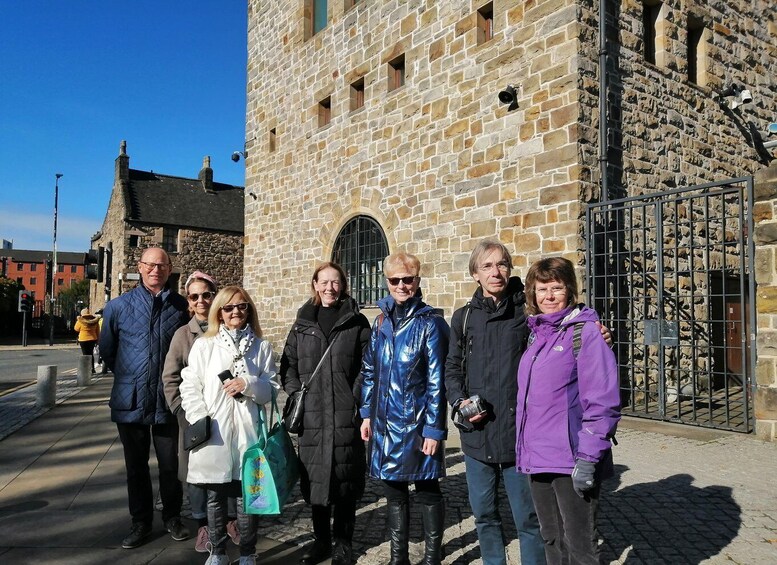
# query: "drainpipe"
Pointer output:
{"type": "Point", "coordinates": [603, 119]}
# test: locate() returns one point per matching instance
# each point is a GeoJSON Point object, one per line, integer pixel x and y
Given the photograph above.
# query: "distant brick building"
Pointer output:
{"type": "Point", "coordinates": [388, 134]}
{"type": "Point", "coordinates": [30, 269]}
{"type": "Point", "coordinates": [198, 221]}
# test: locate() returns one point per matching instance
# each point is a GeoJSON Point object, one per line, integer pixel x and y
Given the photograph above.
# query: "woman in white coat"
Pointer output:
{"type": "Point", "coordinates": [233, 342]}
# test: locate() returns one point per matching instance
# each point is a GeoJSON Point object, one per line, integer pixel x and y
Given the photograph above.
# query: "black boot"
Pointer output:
{"type": "Point", "coordinates": [321, 548]}
{"type": "Point", "coordinates": [399, 530]}
{"type": "Point", "coordinates": [434, 525]}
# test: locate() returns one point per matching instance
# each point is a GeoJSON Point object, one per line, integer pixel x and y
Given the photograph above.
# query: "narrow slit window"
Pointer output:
{"type": "Point", "coordinates": [696, 52]}
{"type": "Point", "coordinates": [650, 17]}
{"type": "Point", "coordinates": [325, 111]}
{"type": "Point", "coordinates": [396, 70]}
{"type": "Point", "coordinates": [486, 23]}
{"type": "Point", "coordinates": [272, 140]}
{"type": "Point", "coordinates": [357, 94]}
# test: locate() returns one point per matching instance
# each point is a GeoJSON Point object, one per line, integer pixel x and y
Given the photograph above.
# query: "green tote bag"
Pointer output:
{"type": "Point", "coordinates": [270, 467]}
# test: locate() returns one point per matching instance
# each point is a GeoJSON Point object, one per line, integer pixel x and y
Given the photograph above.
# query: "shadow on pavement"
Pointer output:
{"type": "Point", "coordinates": [667, 521]}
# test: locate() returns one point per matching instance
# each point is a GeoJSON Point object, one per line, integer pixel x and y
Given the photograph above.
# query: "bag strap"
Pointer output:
{"type": "Point", "coordinates": [463, 345]}
{"type": "Point", "coordinates": [577, 338]}
{"type": "Point", "coordinates": [306, 386]}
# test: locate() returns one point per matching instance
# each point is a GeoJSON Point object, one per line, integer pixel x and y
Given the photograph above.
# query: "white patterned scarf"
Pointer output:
{"type": "Point", "coordinates": [239, 341]}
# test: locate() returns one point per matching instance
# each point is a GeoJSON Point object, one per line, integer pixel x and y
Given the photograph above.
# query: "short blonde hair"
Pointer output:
{"type": "Point", "coordinates": [221, 300]}
{"type": "Point", "coordinates": [401, 260]}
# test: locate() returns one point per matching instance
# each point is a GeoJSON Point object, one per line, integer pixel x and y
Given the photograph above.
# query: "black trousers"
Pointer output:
{"type": "Point", "coordinates": [136, 439]}
{"type": "Point", "coordinates": [247, 524]}
{"type": "Point", "coordinates": [426, 492]}
{"type": "Point", "coordinates": [567, 521]}
{"type": "Point", "coordinates": [343, 514]}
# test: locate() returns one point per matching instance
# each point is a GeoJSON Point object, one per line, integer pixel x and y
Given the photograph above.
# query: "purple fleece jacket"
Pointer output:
{"type": "Point", "coordinates": [567, 407]}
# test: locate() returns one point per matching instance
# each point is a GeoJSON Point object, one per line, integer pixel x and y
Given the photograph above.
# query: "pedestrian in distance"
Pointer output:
{"type": "Point", "coordinates": [324, 353]}
{"type": "Point", "coordinates": [403, 406]}
{"type": "Point", "coordinates": [230, 377]}
{"type": "Point", "coordinates": [88, 327]}
{"type": "Point", "coordinates": [137, 329]}
{"type": "Point", "coordinates": [488, 337]}
{"type": "Point", "coordinates": [568, 411]}
{"type": "Point", "coordinates": [200, 291]}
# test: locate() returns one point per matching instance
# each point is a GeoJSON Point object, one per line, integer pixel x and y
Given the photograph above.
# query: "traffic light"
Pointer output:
{"type": "Point", "coordinates": [26, 301]}
{"type": "Point", "coordinates": [93, 261]}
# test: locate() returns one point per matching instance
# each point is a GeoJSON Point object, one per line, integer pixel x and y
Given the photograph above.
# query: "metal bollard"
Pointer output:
{"type": "Point", "coordinates": [47, 386]}
{"type": "Point", "coordinates": [84, 370]}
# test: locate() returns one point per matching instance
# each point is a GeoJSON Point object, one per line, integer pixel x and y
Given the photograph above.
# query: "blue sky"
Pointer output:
{"type": "Point", "coordinates": [77, 77]}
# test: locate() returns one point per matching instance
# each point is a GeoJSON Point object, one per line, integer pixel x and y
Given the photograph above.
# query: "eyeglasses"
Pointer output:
{"type": "Point", "coordinates": [207, 295]}
{"type": "Point", "coordinates": [556, 290]}
{"type": "Point", "coordinates": [152, 266]}
{"type": "Point", "coordinates": [243, 306]}
{"type": "Point", "coordinates": [394, 281]}
{"type": "Point", "coordinates": [503, 267]}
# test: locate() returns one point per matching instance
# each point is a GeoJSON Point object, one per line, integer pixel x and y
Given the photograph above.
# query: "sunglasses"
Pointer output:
{"type": "Point", "coordinates": [394, 281]}
{"type": "Point", "coordinates": [207, 295]}
{"type": "Point", "coordinates": [243, 306]}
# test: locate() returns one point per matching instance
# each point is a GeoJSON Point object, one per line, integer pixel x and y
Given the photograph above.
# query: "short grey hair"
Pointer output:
{"type": "Point", "coordinates": [483, 248]}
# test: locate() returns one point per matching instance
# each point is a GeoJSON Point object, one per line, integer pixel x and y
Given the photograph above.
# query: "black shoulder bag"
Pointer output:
{"type": "Point", "coordinates": [294, 410]}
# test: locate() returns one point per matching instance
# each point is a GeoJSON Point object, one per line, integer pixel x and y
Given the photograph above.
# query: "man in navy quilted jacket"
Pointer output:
{"type": "Point", "coordinates": [136, 333]}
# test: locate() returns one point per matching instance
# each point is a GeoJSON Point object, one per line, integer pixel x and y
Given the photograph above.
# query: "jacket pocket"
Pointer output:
{"type": "Point", "coordinates": [123, 395]}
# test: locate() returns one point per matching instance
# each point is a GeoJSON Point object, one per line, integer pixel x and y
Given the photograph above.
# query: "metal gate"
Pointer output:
{"type": "Point", "coordinates": [672, 274]}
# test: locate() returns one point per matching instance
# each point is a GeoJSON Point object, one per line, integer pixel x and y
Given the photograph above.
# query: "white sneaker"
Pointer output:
{"type": "Point", "coordinates": [217, 559]}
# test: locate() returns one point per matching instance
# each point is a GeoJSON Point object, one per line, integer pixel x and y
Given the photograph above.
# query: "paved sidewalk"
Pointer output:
{"type": "Point", "coordinates": [681, 495]}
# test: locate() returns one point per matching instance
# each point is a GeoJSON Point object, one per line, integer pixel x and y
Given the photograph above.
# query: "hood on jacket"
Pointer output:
{"type": "Point", "coordinates": [89, 320]}
{"type": "Point", "coordinates": [566, 317]}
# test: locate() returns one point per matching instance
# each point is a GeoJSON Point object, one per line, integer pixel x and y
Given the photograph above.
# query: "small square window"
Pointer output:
{"type": "Point", "coordinates": [486, 23]}
{"type": "Point", "coordinates": [133, 241]}
{"type": "Point", "coordinates": [73, 268]}
{"type": "Point", "coordinates": [33, 280]}
{"type": "Point", "coordinates": [19, 266]}
{"type": "Point", "coordinates": [396, 73]}
{"type": "Point", "coordinates": [357, 94]}
{"type": "Point", "coordinates": [60, 268]}
{"type": "Point", "coordinates": [271, 142]}
{"type": "Point", "coordinates": [33, 266]}
{"type": "Point", "coordinates": [325, 111]}
{"type": "Point", "coordinates": [60, 282]}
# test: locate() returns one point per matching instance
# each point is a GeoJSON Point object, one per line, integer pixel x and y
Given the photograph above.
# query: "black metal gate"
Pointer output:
{"type": "Point", "coordinates": [672, 274]}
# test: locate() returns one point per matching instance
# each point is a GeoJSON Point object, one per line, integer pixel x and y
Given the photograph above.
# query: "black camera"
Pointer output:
{"type": "Point", "coordinates": [227, 375]}
{"type": "Point", "coordinates": [474, 407]}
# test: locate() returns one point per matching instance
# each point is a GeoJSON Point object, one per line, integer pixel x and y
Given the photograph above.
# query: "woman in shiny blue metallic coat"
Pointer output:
{"type": "Point", "coordinates": [403, 406]}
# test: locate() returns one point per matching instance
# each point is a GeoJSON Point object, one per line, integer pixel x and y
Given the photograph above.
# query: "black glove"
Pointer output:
{"type": "Point", "coordinates": [583, 477]}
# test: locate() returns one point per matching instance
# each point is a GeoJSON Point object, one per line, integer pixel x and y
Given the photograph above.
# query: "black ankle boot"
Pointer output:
{"type": "Point", "coordinates": [316, 552]}
{"type": "Point", "coordinates": [434, 525]}
{"type": "Point", "coordinates": [342, 554]}
{"type": "Point", "coordinates": [399, 531]}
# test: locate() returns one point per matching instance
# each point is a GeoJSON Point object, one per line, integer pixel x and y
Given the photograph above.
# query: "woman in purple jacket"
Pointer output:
{"type": "Point", "coordinates": [567, 412]}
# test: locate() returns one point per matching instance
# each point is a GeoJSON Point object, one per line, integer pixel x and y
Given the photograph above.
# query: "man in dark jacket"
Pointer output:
{"type": "Point", "coordinates": [483, 360]}
{"type": "Point", "coordinates": [136, 333]}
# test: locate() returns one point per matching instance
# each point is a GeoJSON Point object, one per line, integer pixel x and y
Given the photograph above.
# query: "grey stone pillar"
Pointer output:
{"type": "Point", "coordinates": [84, 370]}
{"type": "Point", "coordinates": [47, 386]}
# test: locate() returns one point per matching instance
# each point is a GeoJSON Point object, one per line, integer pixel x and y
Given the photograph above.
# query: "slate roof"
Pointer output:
{"type": "Point", "coordinates": [30, 256]}
{"type": "Point", "coordinates": [165, 200]}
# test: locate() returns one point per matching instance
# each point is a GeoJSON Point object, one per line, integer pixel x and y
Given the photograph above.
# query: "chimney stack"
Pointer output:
{"type": "Point", "coordinates": [121, 169]}
{"type": "Point", "coordinates": [206, 175]}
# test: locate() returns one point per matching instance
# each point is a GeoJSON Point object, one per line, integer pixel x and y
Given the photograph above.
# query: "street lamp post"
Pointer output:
{"type": "Point", "coordinates": [54, 261]}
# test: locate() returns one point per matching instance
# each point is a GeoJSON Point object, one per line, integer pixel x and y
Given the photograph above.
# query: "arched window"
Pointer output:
{"type": "Point", "coordinates": [360, 249]}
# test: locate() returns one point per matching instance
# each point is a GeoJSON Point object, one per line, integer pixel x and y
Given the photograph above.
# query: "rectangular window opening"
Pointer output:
{"type": "Point", "coordinates": [170, 240]}
{"type": "Point", "coordinates": [133, 241]}
{"type": "Point", "coordinates": [486, 23]}
{"type": "Point", "coordinates": [357, 94]}
{"type": "Point", "coordinates": [325, 111]}
{"type": "Point", "coordinates": [696, 52]}
{"type": "Point", "coordinates": [396, 73]}
{"type": "Point", "coordinates": [350, 4]}
{"type": "Point", "coordinates": [272, 141]}
{"type": "Point", "coordinates": [315, 15]}
{"type": "Point", "coordinates": [33, 280]}
{"type": "Point", "coordinates": [650, 14]}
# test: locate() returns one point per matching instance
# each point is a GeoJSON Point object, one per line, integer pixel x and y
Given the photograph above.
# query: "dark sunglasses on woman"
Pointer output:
{"type": "Point", "coordinates": [207, 295]}
{"type": "Point", "coordinates": [243, 306]}
{"type": "Point", "coordinates": [394, 281]}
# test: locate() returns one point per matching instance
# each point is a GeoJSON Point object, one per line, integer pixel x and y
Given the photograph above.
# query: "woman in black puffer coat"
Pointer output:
{"type": "Point", "coordinates": [330, 446]}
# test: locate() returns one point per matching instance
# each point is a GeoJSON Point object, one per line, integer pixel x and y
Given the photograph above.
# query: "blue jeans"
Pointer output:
{"type": "Point", "coordinates": [483, 485]}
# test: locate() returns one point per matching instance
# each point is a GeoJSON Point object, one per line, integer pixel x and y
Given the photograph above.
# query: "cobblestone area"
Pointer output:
{"type": "Point", "coordinates": [18, 408]}
{"type": "Point", "coordinates": [673, 500]}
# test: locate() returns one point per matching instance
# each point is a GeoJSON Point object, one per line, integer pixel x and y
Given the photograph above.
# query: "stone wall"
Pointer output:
{"type": "Point", "coordinates": [439, 163]}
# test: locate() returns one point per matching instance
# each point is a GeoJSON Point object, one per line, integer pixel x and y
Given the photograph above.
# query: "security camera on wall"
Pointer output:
{"type": "Point", "coordinates": [236, 156]}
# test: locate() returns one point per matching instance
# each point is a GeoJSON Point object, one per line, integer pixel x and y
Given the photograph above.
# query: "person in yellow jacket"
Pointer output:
{"type": "Point", "coordinates": [88, 328]}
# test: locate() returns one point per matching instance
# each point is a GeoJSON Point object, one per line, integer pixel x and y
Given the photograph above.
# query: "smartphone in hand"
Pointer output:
{"type": "Point", "coordinates": [227, 375]}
